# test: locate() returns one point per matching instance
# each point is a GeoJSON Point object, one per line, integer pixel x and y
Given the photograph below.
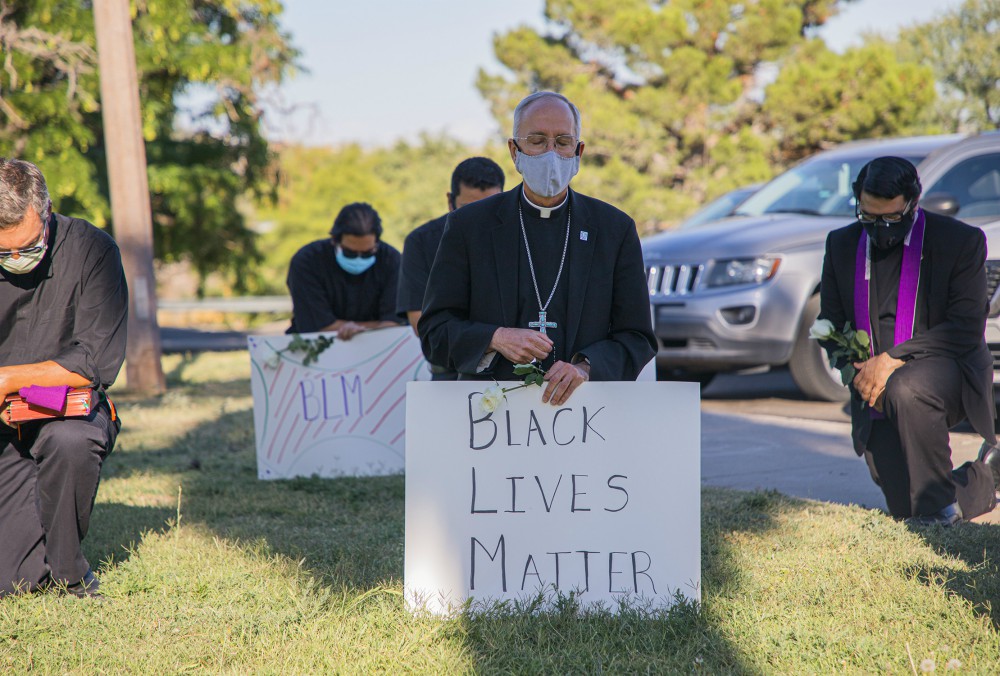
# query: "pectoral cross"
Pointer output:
{"type": "Point", "coordinates": [541, 324]}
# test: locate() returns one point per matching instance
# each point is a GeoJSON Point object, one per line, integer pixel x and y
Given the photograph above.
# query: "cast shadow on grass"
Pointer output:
{"type": "Point", "coordinates": [350, 532]}
{"type": "Point", "coordinates": [175, 376]}
{"type": "Point", "coordinates": [118, 530]}
{"type": "Point", "coordinates": [978, 545]}
{"type": "Point", "coordinates": [177, 385]}
{"type": "Point", "coordinates": [685, 638]}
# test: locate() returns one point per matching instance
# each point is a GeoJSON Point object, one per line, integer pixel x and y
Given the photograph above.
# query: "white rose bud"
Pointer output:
{"type": "Point", "coordinates": [491, 399]}
{"type": "Point", "coordinates": [821, 329]}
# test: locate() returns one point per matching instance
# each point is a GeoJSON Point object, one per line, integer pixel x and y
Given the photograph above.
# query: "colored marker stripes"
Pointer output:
{"type": "Point", "coordinates": [355, 390]}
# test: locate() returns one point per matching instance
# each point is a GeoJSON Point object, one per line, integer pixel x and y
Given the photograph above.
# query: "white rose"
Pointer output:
{"type": "Point", "coordinates": [272, 361]}
{"type": "Point", "coordinates": [491, 399]}
{"type": "Point", "coordinates": [822, 329]}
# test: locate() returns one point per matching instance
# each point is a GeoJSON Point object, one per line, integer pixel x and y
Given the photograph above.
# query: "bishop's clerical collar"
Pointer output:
{"type": "Point", "coordinates": [533, 209]}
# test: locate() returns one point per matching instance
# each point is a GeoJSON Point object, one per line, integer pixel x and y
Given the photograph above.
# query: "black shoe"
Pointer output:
{"type": "Point", "coordinates": [990, 455]}
{"type": "Point", "coordinates": [88, 587]}
{"type": "Point", "coordinates": [946, 517]}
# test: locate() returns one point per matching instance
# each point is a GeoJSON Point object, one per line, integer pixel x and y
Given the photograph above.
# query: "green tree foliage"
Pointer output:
{"type": "Point", "coordinates": [48, 90]}
{"type": "Point", "coordinates": [405, 183]}
{"type": "Point", "coordinates": [201, 65]}
{"type": "Point", "coordinates": [673, 93]}
{"type": "Point", "coordinates": [963, 48]}
{"type": "Point", "coordinates": [820, 98]}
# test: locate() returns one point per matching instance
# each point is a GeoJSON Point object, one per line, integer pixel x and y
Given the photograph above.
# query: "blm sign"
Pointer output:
{"type": "Point", "coordinates": [340, 415]}
{"type": "Point", "coordinates": [598, 498]}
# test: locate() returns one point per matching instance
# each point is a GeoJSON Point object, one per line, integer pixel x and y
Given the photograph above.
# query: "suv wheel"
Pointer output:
{"type": "Point", "coordinates": [809, 367]}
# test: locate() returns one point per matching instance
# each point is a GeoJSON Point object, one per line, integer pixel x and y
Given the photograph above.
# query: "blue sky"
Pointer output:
{"type": "Point", "coordinates": [381, 70]}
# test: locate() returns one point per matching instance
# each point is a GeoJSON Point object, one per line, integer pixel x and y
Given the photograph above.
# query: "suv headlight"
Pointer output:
{"type": "Point", "coordinates": [732, 271]}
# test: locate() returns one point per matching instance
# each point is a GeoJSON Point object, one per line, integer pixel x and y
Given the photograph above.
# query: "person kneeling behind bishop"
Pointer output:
{"type": "Point", "coordinates": [347, 283]}
{"type": "Point", "coordinates": [916, 282]}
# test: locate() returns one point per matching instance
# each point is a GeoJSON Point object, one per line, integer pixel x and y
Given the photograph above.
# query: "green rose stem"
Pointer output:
{"type": "Point", "coordinates": [312, 347]}
{"type": "Point", "coordinates": [533, 375]}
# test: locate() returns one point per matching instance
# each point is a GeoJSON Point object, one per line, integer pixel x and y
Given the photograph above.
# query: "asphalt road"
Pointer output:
{"type": "Point", "coordinates": [174, 340]}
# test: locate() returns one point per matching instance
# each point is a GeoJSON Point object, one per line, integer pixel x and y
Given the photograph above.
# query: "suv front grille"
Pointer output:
{"type": "Point", "coordinates": [673, 280]}
{"type": "Point", "coordinates": [992, 284]}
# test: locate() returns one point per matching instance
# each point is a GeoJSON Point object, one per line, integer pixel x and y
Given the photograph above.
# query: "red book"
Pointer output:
{"type": "Point", "coordinates": [79, 402]}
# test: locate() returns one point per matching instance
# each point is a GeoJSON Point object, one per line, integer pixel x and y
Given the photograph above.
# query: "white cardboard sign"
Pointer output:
{"type": "Point", "coordinates": [342, 415]}
{"type": "Point", "coordinates": [599, 497]}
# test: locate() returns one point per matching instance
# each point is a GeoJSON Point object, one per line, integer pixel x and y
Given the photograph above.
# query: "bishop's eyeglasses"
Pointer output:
{"type": "Point", "coordinates": [536, 144]}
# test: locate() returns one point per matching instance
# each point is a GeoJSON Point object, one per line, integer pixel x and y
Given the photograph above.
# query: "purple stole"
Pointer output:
{"type": "Point", "coordinates": [909, 278]}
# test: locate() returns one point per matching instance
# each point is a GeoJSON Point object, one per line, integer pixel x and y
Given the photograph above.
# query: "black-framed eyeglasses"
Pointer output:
{"type": "Point", "coordinates": [536, 144]}
{"type": "Point", "coordinates": [350, 253]}
{"type": "Point", "coordinates": [888, 219]}
{"type": "Point", "coordinates": [17, 253]}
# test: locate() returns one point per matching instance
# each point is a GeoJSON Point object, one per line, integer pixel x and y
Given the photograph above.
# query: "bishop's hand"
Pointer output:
{"type": "Point", "coordinates": [521, 346]}
{"type": "Point", "coordinates": [562, 379]}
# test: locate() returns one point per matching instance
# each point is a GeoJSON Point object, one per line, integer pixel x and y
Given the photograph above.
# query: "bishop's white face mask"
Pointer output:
{"type": "Point", "coordinates": [547, 174]}
{"type": "Point", "coordinates": [27, 259]}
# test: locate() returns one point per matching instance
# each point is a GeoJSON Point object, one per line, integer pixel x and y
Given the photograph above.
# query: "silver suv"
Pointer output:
{"type": "Point", "coordinates": [740, 293]}
{"type": "Point", "coordinates": [992, 231]}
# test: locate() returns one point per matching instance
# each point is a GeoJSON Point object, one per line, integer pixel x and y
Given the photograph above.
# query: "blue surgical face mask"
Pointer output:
{"type": "Point", "coordinates": [354, 266]}
{"type": "Point", "coordinates": [547, 174]}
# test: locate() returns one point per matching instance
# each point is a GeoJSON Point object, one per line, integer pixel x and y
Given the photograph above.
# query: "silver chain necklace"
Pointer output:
{"type": "Point", "coordinates": [542, 324]}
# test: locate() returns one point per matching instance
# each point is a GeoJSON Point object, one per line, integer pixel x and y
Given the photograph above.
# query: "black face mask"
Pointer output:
{"type": "Point", "coordinates": [888, 235]}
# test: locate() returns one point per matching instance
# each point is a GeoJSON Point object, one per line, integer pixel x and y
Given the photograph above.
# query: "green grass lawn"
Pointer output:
{"type": "Point", "coordinates": [205, 568]}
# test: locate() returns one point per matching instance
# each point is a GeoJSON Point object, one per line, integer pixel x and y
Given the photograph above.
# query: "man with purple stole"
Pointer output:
{"type": "Point", "coordinates": [916, 282]}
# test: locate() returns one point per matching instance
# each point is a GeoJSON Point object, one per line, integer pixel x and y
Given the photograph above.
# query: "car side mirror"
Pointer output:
{"type": "Point", "coordinates": [942, 203]}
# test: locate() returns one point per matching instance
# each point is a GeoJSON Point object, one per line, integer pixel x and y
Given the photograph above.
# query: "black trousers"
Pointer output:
{"type": "Point", "coordinates": [908, 453]}
{"type": "Point", "coordinates": [48, 483]}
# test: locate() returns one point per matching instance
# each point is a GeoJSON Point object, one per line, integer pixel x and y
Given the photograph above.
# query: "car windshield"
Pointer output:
{"type": "Point", "coordinates": [818, 187]}
{"type": "Point", "coordinates": [719, 208]}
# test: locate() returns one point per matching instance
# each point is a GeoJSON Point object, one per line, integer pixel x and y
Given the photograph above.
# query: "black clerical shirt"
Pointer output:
{"type": "Point", "coordinates": [415, 268]}
{"type": "Point", "coordinates": [323, 292]}
{"type": "Point", "coordinates": [72, 308]}
{"type": "Point", "coordinates": [884, 294]}
{"type": "Point", "coordinates": [547, 239]}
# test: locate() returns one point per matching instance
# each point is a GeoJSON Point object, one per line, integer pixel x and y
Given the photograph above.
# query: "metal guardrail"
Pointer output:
{"type": "Point", "coordinates": [239, 304]}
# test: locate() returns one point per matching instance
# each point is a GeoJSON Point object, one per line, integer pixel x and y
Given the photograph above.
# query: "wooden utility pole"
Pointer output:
{"type": "Point", "coordinates": [130, 206]}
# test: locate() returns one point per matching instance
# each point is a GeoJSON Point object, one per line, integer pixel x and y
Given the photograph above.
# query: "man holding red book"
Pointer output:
{"type": "Point", "coordinates": [63, 310]}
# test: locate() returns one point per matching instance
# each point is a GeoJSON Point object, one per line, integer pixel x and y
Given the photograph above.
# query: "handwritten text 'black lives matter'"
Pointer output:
{"type": "Point", "coordinates": [504, 498]}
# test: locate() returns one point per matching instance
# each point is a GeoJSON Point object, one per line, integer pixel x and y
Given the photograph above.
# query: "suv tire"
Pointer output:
{"type": "Point", "coordinates": [809, 367]}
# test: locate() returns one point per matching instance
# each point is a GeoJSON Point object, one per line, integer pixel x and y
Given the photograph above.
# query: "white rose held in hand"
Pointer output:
{"type": "Point", "coordinates": [852, 346]}
{"type": "Point", "coordinates": [822, 329]}
{"type": "Point", "coordinates": [491, 399]}
{"type": "Point", "coordinates": [494, 394]}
